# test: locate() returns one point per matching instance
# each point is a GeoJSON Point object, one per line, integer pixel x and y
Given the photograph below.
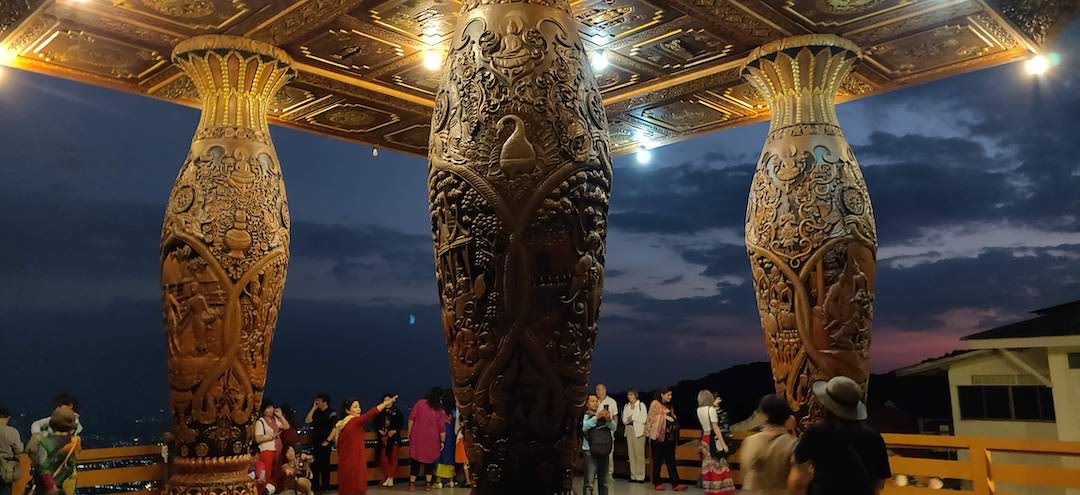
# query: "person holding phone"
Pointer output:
{"type": "Point", "coordinates": [608, 403]}
{"type": "Point", "coordinates": [598, 427]}
{"type": "Point", "coordinates": [352, 456]}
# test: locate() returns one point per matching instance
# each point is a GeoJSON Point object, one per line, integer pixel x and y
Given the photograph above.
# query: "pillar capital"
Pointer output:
{"type": "Point", "coordinates": [799, 77]}
{"type": "Point", "coordinates": [236, 79]}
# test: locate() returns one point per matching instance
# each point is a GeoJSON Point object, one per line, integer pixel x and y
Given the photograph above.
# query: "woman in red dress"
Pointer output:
{"type": "Point", "coordinates": [352, 458]}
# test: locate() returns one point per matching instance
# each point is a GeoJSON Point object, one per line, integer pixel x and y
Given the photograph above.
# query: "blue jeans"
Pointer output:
{"type": "Point", "coordinates": [596, 469]}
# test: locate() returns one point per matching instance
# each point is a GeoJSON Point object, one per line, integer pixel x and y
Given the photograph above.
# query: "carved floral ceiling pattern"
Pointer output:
{"type": "Point", "coordinates": [672, 71]}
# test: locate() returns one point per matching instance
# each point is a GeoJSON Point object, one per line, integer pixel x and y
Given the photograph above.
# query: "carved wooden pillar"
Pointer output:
{"type": "Point", "coordinates": [519, 181]}
{"type": "Point", "coordinates": [810, 230]}
{"type": "Point", "coordinates": [224, 250]}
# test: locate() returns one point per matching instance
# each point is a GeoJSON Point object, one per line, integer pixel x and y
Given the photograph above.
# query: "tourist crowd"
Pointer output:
{"type": "Point", "coordinates": [840, 455]}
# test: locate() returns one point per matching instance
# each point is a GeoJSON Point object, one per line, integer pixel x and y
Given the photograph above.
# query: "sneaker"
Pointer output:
{"type": "Point", "coordinates": [438, 484]}
{"type": "Point", "coordinates": [679, 488]}
{"type": "Point", "coordinates": [412, 486]}
{"type": "Point", "coordinates": [658, 488]}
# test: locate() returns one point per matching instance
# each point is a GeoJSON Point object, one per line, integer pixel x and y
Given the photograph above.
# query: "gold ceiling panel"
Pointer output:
{"type": "Point", "coordinates": [672, 72]}
{"type": "Point", "coordinates": [428, 21]}
{"type": "Point", "coordinates": [192, 15]}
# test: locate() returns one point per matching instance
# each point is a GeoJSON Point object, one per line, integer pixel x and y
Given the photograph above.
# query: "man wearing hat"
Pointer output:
{"type": "Point", "coordinates": [54, 453]}
{"type": "Point", "coordinates": [848, 457]}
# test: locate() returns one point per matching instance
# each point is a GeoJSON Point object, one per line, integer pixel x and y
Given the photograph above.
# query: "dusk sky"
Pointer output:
{"type": "Point", "coordinates": [975, 182]}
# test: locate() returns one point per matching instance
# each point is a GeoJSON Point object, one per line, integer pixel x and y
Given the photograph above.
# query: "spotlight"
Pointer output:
{"type": "Point", "coordinates": [375, 151]}
{"type": "Point", "coordinates": [599, 60]}
{"type": "Point", "coordinates": [433, 59]}
{"type": "Point", "coordinates": [644, 156]}
{"type": "Point", "coordinates": [1037, 65]}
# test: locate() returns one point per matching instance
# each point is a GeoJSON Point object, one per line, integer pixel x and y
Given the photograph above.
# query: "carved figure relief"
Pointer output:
{"type": "Point", "coordinates": [810, 230]}
{"type": "Point", "coordinates": [224, 250]}
{"type": "Point", "coordinates": [519, 182]}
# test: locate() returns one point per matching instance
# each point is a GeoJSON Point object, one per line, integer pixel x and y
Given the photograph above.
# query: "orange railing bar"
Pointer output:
{"type": "Point", "coordinates": [978, 469]}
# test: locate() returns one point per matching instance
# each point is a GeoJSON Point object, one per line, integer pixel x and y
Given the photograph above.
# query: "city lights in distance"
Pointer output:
{"type": "Point", "coordinates": [433, 59]}
{"type": "Point", "coordinates": [599, 60]}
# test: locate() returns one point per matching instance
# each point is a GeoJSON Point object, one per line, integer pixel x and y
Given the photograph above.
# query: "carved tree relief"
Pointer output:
{"type": "Point", "coordinates": [810, 230]}
{"type": "Point", "coordinates": [519, 181]}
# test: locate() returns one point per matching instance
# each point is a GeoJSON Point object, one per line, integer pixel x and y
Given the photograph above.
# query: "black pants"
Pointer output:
{"type": "Point", "coordinates": [320, 469]}
{"type": "Point", "coordinates": [664, 453]}
{"type": "Point", "coordinates": [414, 468]}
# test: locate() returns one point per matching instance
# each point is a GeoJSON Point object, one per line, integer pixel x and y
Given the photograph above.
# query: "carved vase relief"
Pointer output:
{"type": "Point", "coordinates": [519, 181]}
{"type": "Point", "coordinates": [224, 250]}
{"type": "Point", "coordinates": [810, 230]}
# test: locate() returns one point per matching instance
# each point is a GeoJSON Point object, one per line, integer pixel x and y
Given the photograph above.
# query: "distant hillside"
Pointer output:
{"type": "Point", "coordinates": [896, 403]}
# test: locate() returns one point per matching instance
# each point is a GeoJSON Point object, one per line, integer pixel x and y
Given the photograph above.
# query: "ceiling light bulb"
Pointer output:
{"type": "Point", "coordinates": [432, 59]}
{"type": "Point", "coordinates": [644, 156]}
{"type": "Point", "coordinates": [7, 55]}
{"type": "Point", "coordinates": [599, 60]}
{"type": "Point", "coordinates": [374, 151]}
{"type": "Point", "coordinates": [1037, 65]}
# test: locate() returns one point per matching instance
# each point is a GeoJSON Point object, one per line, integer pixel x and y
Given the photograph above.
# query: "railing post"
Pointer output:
{"type": "Point", "coordinates": [980, 469]}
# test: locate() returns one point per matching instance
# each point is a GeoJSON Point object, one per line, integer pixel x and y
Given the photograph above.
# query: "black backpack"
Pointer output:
{"type": "Point", "coordinates": [600, 440]}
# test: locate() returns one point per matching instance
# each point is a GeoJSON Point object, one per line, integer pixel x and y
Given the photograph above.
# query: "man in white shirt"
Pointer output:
{"type": "Point", "coordinates": [634, 416]}
{"type": "Point", "coordinates": [63, 400]}
{"type": "Point", "coordinates": [609, 403]}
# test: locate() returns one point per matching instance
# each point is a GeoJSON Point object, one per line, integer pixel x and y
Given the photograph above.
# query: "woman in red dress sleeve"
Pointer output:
{"type": "Point", "coordinates": [352, 458]}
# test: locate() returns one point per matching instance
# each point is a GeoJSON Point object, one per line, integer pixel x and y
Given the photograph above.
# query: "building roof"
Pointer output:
{"type": "Point", "coordinates": [1055, 321]}
{"type": "Point", "coordinates": [941, 363]}
{"type": "Point", "coordinates": [673, 72]}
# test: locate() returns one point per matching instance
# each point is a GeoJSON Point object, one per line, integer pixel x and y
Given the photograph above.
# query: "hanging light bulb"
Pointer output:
{"type": "Point", "coordinates": [7, 55]}
{"type": "Point", "coordinates": [599, 60]}
{"type": "Point", "coordinates": [375, 151]}
{"type": "Point", "coordinates": [1037, 65]}
{"type": "Point", "coordinates": [433, 59]}
{"type": "Point", "coordinates": [644, 156]}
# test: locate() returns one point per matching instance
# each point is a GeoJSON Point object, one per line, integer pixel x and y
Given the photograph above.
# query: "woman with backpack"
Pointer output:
{"type": "Point", "coordinates": [765, 457]}
{"type": "Point", "coordinates": [596, 445]}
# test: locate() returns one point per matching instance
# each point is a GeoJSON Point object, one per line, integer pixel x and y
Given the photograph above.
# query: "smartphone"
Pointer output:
{"type": "Point", "coordinates": [606, 406]}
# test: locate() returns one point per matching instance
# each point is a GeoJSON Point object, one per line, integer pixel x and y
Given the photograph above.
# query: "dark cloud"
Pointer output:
{"type": "Point", "coordinates": [1008, 280]}
{"type": "Point", "coordinates": [684, 198]}
{"type": "Point", "coordinates": [719, 261]}
{"type": "Point", "coordinates": [913, 148]}
{"type": "Point", "coordinates": [361, 253]}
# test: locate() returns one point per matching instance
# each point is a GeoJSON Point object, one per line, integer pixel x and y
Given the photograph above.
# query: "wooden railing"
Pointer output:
{"type": "Point", "coordinates": [964, 465]}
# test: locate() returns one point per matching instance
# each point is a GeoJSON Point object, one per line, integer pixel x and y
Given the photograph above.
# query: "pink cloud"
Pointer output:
{"type": "Point", "coordinates": [893, 347]}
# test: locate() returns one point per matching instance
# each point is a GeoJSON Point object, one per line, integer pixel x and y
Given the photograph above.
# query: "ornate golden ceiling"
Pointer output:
{"type": "Point", "coordinates": [673, 69]}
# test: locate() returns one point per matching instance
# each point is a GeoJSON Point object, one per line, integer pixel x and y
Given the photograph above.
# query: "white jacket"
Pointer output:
{"type": "Point", "coordinates": [637, 414]}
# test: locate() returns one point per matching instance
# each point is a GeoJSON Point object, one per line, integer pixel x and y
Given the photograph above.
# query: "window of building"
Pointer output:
{"type": "Point", "coordinates": [1001, 402]}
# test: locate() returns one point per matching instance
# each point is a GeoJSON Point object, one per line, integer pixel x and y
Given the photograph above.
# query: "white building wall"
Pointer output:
{"type": "Point", "coordinates": [961, 373]}
{"type": "Point", "coordinates": [1066, 399]}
